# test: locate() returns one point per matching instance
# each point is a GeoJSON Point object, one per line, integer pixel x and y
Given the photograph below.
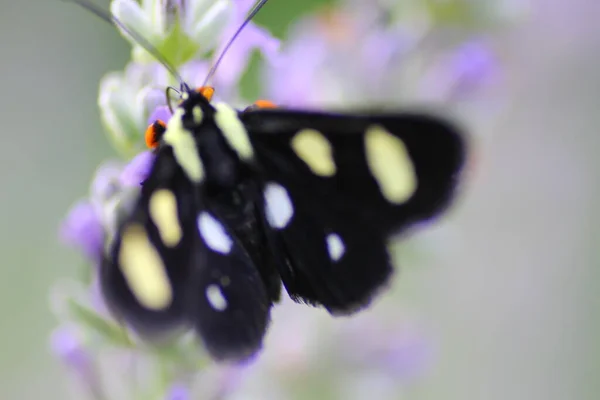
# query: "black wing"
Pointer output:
{"type": "Point", "coordinates": [228, 302]}
{"type": "Point", "coordinates": [147, 266]}
{"type": "Point", "coordinates": [175, 264]}
{"type": "Point", "coordinates": [338, 186]}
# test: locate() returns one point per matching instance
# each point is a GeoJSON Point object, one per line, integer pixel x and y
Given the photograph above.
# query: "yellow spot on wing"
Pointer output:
{"type": "Point", "coordinates": [144, 270]}
{"type": "Point", "coordinates": [163, 212]}
{"type": "Point", "coordinates": [390, 164]}
{"type": "Point", "coordinates": [184, 147]}
{"type": "Point", "coordinates": [234, 131]}
{"type": "Point", "coordinates": [197, 114]}
{"type": "Point", "coordinates": [315, 150]}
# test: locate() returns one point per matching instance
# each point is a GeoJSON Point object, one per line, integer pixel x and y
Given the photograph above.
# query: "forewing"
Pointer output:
{"type": "Point", "coordinates": [395, 169]}
{"type": "Point", "coordinates": [147, 265]}
{"type": "Point", "coordinates": [337, 187]}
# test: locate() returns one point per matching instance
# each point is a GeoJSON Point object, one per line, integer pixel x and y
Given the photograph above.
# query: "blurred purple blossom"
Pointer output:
{"type": "Point", "coordinates": [96, 299]}
{"type": "Point", "coordinates": [89, 219]}
{"type": "Point", "coordinates": [106, 181]}
{"type": "Point", "coordinates": [406, 358]}
{"type": "Point", "coordinates": [370, 349]}
{"type": "Point", "coordinates": [66, 344]}
{"type": "Point", "coordinates": [134, 173]}
{"type": "Point", "coordinates": [82, 228]}
{"type": "Point", "coordinates": [473, 62]}
{"type": "Point", "coordinates": [398, 352]}
{"type": "Point", "coordinates": [348, 58]}
{"type": "Point", "coordinates": [396, 347]}
{"type": "Point", "coordinates": [220, 382]}
{"type": "Point", "coordinates": [178, 391]}
{"type": "Point", "coordinates": [160, 113]}
{"type": "Point", "coordinates": [462, 71]}
{"type": "Point", "coordinates": [253, 38]}
{"type": "Point", "coordinates": [127, 98]}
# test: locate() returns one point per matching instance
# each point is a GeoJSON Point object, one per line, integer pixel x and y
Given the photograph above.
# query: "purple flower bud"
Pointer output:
{"type": "Point", "coordinates": [106, 182]}
{"type": "Point", "coordinates": [352, 58]}
{"type": "Point", "coordinates": [96, 297]}
{"type": "Point", "coordinates": [472, 65]}
{"type": "Point", "coordinates": [82, 229]}
{"type": "Point", "coordinates": [65, 344]}
{"type": "Point", "coordinates": [160, 113]}
{"type": "Point", "coordinates": [236, 59]}
{"type": "Point", "coordinates": [406, 358]}
{"type": "Point", "coordinates": [397, 350]}
{"type": "Point", "coordinates": [178, 391]}
{"type": "Point", "coordinates": [137, 170]}
{"type": "Point", "coordinates": [459, 73]}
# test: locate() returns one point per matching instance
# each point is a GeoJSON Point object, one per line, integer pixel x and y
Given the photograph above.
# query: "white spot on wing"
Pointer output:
{"type": "Point", "coordinates": [234, 131]}
{"type": "Point", "coordinates": [215, 297]}
{"type": "Point", "coordinates": [213, 233]}
{"type": "Point", "coordinates": [335, 246]}
{"type": "Point", "coordinates": [143, 269]}
{"type": "Point", "coordinates": [315, 150]}
{"type": "Point", "coordinates": [390, 165]}
{"type": "Point", "coordinates": [278, 205]}
{"type": "Point", "coordinates": [184, 147]}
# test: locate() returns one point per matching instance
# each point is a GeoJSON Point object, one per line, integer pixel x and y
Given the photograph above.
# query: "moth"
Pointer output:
{"type": "Point", "coordinates": [239, 203]}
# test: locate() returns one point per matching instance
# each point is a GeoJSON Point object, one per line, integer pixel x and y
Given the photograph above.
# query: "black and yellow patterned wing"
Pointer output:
{"type": "Point", "coordinates": [336, 187]}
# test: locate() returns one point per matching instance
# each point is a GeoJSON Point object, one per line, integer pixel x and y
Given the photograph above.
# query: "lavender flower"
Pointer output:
{"type": "Point", "coordinates": [461, 72]}
{"type": "Point", "coordinates": [196, 25]}
{"type": "Point", "coordinates": [83, 229]}
{"type": "Point", "coordinates": [68, 345]}
{"type": "Point", "coordinates": [471, 14]}
{"type": "Point", "coordinates": [126, 99]}
{"type": "Point", "coordinates": [184, 33]}
{"type": "Point", "coordinates": [348, 58]}
{"type": "Point", "coordinates": [134, 173]}
{"type": "Point", "coordinates": [253, 37]}
{"type": "Point", "coordinates": [178, 392]}
{"type": "Point", "coordinates": [363, 350]}
{"type": "Point", "coordinates": [90, 220]}
{"type": "Point", "coordinates": [397, 348]}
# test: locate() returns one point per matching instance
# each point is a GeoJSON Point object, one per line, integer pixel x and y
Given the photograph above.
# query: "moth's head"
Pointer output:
{"type": "Point", "coordinates": [201, 96]}
{"type": "Point", "coordinates": [193, 106]}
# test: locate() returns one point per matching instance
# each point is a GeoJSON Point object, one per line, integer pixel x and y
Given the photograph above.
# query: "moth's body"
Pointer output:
{"type": "Point", "coordinates": [230, 188]}
{"type": "Point", "coordinates": [237, 202]}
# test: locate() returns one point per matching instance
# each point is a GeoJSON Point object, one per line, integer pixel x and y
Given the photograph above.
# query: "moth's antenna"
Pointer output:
{"type": "Point", "coordinates": [106, 16]}
{"type": "Point", "coordinates": [169, 89]}
{"type": "Point", "coordinates": [251, 15]}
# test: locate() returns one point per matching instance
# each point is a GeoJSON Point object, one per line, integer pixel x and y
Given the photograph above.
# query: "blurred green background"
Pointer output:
{"type": "Point", "coordinates": [517, 306]}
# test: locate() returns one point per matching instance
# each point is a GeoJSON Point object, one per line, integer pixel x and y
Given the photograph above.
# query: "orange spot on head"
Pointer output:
{"type": "Point", "coordinates": [154, 133]}
{"type": "Point", "coordinates": [207, 92]}
{"type": "Point", "coordinates": [264, 104]}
